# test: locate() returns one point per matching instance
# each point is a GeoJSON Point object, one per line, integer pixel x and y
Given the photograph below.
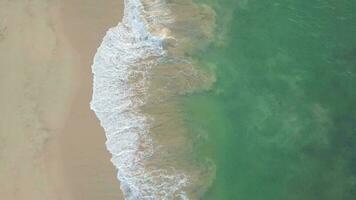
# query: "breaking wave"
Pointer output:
{"type": "Point", "coordinates": [138, 69]}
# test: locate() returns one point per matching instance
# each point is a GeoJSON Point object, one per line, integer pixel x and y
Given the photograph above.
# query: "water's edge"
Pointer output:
{"type": "Point", "coordinates": [138, 70]}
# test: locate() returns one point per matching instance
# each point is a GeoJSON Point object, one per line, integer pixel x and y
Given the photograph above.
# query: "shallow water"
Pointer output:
{"type": "Point", "coordinates": [140, 70]}
{"type": "Point", "coordinates": [280, 121]}
{"type": "Point", "coordinates": [260, 108]}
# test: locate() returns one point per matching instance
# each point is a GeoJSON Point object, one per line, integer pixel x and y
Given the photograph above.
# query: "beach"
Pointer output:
{"type": "Point", "coordinates": [51, 144]}
{"type": "Point", "coordinates": [183, 99]}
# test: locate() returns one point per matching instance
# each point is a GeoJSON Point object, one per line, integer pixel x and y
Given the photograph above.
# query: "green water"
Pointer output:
{"type": "Point", "coordinates": [280, 121]}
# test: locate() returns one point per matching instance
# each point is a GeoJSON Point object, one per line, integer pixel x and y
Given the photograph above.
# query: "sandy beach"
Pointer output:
{"type": "Point", "coordinates": [51, 144]}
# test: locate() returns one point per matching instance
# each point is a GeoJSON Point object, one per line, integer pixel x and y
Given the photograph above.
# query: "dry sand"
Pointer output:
{"type": "Point", "coordinates": [51, 145]}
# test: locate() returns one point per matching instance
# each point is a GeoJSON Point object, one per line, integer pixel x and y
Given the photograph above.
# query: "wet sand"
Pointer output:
{"type": "Point", "coordinates": [51, 144]}
{"type": "Point", "coordinates": [87, 163]}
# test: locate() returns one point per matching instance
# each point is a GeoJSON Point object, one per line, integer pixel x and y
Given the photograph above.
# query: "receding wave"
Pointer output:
{"type": "Point", "coordinates": [139, 69]}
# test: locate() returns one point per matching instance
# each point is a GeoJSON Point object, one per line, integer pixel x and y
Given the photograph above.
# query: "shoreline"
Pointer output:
{"type": "Point", "coordinates": [140, 71]}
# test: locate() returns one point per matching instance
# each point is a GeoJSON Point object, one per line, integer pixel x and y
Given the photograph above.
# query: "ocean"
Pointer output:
{"type": "Point", "coordinates": [231, 99]}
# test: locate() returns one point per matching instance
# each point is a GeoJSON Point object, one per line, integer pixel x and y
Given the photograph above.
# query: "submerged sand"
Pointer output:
{"type": "Point", "coordinates": [147, 134]}
{"type": "Point", "coordinates": [51, 145]}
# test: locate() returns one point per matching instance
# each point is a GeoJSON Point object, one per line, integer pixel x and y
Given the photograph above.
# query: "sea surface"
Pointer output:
{"type": "Point", "coordinates": [280, 121]}
{"type": "Point", "coordinates": [231, 99]}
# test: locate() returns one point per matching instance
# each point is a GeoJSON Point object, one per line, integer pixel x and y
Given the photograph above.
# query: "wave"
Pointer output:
{"type": "Point", "coordinates": [139, 66]}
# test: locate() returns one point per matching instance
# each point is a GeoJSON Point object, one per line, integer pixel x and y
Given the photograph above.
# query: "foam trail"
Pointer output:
{"type": "Point", "coordinates": [121, 70]}
{"type": "Point", "coordinates": [127, 52]}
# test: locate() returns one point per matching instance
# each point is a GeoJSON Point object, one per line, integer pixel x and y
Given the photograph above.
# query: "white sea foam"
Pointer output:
{"type": "Point", "coordinates": [121, 65]}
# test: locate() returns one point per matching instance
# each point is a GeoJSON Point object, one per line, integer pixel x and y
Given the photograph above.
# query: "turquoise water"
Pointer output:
{"type": "Point", "coordinates": [280, 121]}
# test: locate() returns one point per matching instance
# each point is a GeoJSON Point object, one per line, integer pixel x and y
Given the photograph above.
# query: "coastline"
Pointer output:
{"type": "Point", "coordinates": [141, 69]}
{"type": "Point", "coordinates": [58, 40]}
